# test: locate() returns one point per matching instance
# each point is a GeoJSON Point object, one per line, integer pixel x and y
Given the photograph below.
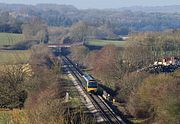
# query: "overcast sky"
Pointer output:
{"type": "Point", "coordinates": [100, 3]}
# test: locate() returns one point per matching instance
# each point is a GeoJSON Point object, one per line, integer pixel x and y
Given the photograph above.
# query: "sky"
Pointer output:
{"type": "Point", "coordinates": [101, 4]}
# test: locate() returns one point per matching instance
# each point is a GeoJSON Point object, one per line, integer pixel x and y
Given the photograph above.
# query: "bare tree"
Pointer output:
{"type": "Point", "coordinates": [79, 54]}
{"type": "Point", "coordinates": [79, 32]}
{"type": "Point", "coordinates": [36, 30]}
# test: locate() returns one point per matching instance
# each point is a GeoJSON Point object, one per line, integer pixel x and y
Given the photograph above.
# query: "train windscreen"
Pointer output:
{"type": "Point", "coordinates": [92, 84]}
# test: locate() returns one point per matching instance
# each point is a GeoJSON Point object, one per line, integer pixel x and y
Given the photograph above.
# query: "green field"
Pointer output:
{"type": "Point", "coordinates": [13, 56]}
{"type": "Point", "coordinates": [10, 38]}
{"type": "Point", "coordinates": [105, 42]}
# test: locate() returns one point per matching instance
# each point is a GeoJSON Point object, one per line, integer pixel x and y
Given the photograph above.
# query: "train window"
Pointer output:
{"type": "Point", "coordinates": [92, 84]}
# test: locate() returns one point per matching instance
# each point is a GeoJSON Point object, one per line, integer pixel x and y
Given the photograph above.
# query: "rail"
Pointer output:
{"type": "Point", "coordinates": [107, 113]}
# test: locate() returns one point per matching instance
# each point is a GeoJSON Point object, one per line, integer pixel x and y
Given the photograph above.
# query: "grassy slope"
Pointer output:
{"type": "Point", "coordinates": [13, 117]}
{"type": "Point", "coordinates": [104, 42]}
{"type": "Point", "coordinates": [10, 38]}
{"type": "Point", "coordinates": [14, 56]}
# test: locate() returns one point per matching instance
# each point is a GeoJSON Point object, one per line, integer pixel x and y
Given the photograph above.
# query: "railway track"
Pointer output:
{"type": "Point", "coordinates": [109, 117]}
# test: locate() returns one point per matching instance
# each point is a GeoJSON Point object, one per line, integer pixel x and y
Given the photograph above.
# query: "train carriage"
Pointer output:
{"type": "Point", "coordinates": [91, 83]}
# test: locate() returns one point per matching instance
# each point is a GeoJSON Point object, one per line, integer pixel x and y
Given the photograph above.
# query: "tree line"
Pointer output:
{"type": "Point", "coordinates": [10, 24]}
{"type": "Point", "coordinates": [118, 22]}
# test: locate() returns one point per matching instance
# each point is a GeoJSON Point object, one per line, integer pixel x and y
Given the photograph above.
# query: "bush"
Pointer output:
{"type": "Point", "coordinates": [157, 98]}
{"type": "Point", "coordinates": [12, 92]}
{"type": "Point", "coordinates": [25, 45]}
{"type": "Point", "coordinates": [129, 84]}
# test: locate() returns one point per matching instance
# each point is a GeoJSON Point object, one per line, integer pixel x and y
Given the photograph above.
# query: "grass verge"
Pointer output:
{"type": "Point", "coordinates": [10, 38]}
{"type": "Point", "coordinates": [13, 117]}
{"type": "Point", "coordinates": [14, 56]}
{"type": "Point", "coordinates": [96, 42]}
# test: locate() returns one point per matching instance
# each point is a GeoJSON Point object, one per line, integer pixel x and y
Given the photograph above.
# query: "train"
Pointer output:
{"type": "Point", "coordinates": [91, 84]}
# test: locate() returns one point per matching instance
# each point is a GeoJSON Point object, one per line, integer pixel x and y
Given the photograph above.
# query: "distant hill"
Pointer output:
{"type": "Point", "coordinates": [119, 21]}
{"type": "Point", "coordinates": [14, 7]}
{"type": "Point", "coordinates": [42, 7]}
{"type": "Point", "coordinates": [57, 7]}
{"type": "Point", "coordinates": [161, 9]}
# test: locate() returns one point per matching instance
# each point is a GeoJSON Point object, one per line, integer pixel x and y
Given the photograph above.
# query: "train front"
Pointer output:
{"type": "Point", "coordinates": [92, 86]}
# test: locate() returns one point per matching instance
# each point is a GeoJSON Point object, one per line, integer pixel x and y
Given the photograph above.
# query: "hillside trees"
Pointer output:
{"type": "Point", "coordinates": [41, 56]}
{"type": "Point", "coordinates": [122, 21]}
{"type": "Point", "coordinates": [160, 44]}
{"type": "Point", "coordinates": [107, 65]}
{"type": "Point", "coordinates": [79, 54]}
{"type": "Point", "coordinates": [58, 35]}
{"type": "Point", "coordinates": [9, 24]}
{"type": "Point", "coordinates": [79, 32]}
{"type": "Point", "coordinates": [129, 83]}
{"type": "Point", "coordinates": [35, 29]}
{"type": "Point", "coordinates": [151, 96]}
{"type": "Point", "coordinates": [144, 48]}
{"type": "Point", "coordinates": [157, 98]}
{"type": "Point", "coordinates": [137, 55]}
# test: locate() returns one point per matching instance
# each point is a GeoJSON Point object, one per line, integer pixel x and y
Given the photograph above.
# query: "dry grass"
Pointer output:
{"type": "Point", "coordinates": [15, 116]}
{"type": "Point", "coordinates": [14, 56]}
